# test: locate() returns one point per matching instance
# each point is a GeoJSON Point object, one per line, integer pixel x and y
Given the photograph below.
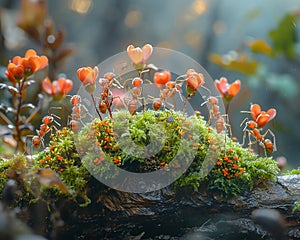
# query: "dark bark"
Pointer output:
{"type": "Point", "coordinates": [167, 214]}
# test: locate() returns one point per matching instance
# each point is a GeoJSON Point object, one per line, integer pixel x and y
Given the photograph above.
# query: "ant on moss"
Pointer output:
{"type": "Point", "coordinates": [46, 126]}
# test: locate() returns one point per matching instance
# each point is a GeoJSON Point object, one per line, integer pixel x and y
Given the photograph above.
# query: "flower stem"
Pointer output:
{"type": "Point", "coordinates": [94, 102]}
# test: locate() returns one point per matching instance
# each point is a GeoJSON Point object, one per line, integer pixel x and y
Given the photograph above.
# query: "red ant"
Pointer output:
{"type": "Point", "coordinates": [106, 97]}
{"type": "Point", "coordinates": [214, 112]}
{"type": "Point", "coordinates": [136, 95]}
{"type": "Point", "coordinates": [171, 89]}
{"type": "Point", "coordinates": [77, 113]}
{"type": "Point", "coordinates": [253, 128]}
{"type": "Point", "coordinates": [45, 127]}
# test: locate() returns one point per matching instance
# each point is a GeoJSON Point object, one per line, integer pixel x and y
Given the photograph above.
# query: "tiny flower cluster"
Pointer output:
{"type": "Point", "coordinates": [228, 165]}
{"type": "Point", "coordinates": [57, 156]}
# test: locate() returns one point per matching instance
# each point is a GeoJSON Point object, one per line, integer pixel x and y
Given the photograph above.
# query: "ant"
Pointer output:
{"type": "Point", "coordinates": [136, 95]}
{"type": "Point", "coordinates": [77, 113]}
{"type": "Point", "coordinates": [254, 127]}
{"type": "Point", "coordinates": [171, 88]}
{"type": "Point", "coordinates": [106, 97]}
{"type": "Point", "coordinates": [251, 128]}
{"type": "Point", "coordinates": [45, 127]}
{"type": "Point", "coordinates": [214, 112]}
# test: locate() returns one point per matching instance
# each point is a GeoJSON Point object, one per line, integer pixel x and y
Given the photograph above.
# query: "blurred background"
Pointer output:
{"type": "Point", "coordinates": [254, 41]}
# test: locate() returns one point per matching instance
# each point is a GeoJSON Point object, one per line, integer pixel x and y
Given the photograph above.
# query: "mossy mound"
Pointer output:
{"type": "Point", "coordinates": [149, 141]}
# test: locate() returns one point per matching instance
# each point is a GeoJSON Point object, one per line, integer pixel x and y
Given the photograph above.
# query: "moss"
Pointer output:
{"type": "Point", "coordinates": [292, 172]}
{"type": "Point", "coordinates": [233, 171]}
{"type": "Point", "coordinates": [4, 165]}
{"type": "Point", "coordinates": [296, 207]}
{"type": "Point", "coordinates": [145, 142]}
{"type": "Point", "coordinates": [62, 157]}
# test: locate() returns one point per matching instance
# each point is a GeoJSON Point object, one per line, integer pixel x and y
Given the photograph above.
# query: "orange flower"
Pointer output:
{"type": "Point", "coordinates": [262, 117]}
{"type": "Point", "coordinates": [161, 78]}
{"type": "Point", "coordinates": [139, 55]}
{"type": "Point", "coordinates": [25, 66]}
{"type": "Point", "coordinates": [59, 88]}
{"type": "Point", "coordinates": [14, 72]}
{"type": "Point", "coordinates": [194, 80]}
{"type": "Point", "coordinates": [228, 91]}
{"type": "Point", "coordinates": [87, 76]}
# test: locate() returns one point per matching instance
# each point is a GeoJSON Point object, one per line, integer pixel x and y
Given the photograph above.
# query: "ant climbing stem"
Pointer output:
{"type": "Point", "coordinates": [106, 96]}
{"type": "Point", "coordinates": [77, 113]}
{"type": "Point", "coordinates": [214, 113]}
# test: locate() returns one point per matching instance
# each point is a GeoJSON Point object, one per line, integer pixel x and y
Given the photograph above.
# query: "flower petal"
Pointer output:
{"type": "Point", "coordinates": [262, 119]}
{"type": "Point", "coordinates": [234, 88]}
{"type": "Point", "coordinates": [64, 85]}
{"type": "Point", "coordinates": [222, 85]}
{"type": "Point", "coordinates": [147, 51]}
{"type": "Point", "coordinates": [272, 113]}
{"type": "Point", "coordinates": [135, 54]}
{"type": "Point", "coordinates": [30, 53]}
{"type": "Point", "coordinates": [17, 60]}
{"type": "Point", "coordinates": [255, 110]}
{"type": "Point", "coordinates": [47, 86]}
{"type": "Point", "coordinates": [43, 62]}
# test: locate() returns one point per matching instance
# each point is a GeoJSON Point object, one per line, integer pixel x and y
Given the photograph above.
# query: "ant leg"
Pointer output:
{"type": "Point", "coordinates": [169, 104]}
{"type": "Point", "coordinates": [87, 112]}
{"type": "Point", "coordinates": [244, 137]}
{"type": "Point", "coordinates": [249, 139]}
{"type": "Point", "coordinates": [117, 84]}
{"type": "Point", "coordinates": [274, 138]}
{"type": "Point", "coordinates": [55, 116]}
{"type": "Point", "coordinates": [148, 81]}
{"type": "Point", "coordinates": [242, 123]}
{"type": "Point", "coordinates": [206, 90]}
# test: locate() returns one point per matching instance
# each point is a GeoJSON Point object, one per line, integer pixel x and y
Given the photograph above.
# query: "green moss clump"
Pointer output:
{"type": "Point", "coordinates": [4, 166]}
{"type": "Point", "coordinates": [145, 142]}
{"type": "Point", "coordinates": [62, 157]}
{"type": "Point", "coordinates": [12, 168]}
{"type": "Point", "coordinates": [232, 171]}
